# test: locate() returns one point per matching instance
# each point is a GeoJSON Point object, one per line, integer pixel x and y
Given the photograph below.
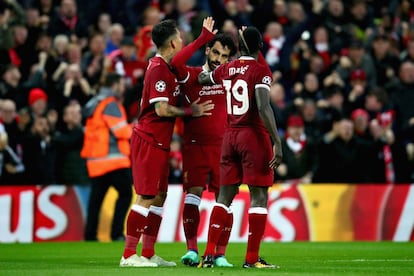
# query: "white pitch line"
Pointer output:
{"type": "Point", "coordinates": [373, 260]}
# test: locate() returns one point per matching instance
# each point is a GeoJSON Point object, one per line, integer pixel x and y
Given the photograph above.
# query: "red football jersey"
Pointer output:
{"type": "Point", "coordinates": [205, 130]}
{"type": "Point", "coordinates": [160, 84]}
{"type": "Point", "coordinates": [240, 78]}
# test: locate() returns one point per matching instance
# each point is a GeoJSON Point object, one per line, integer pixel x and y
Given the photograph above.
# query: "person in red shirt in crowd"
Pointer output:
{"type": "Point", "coordinates": [203, 137]}
{"type": "Point", "coordinates": [125, 62]}
{"type": "Point", "coordinates": [247, 155]}
{"type": "Point", "coordinates": [150, 145]}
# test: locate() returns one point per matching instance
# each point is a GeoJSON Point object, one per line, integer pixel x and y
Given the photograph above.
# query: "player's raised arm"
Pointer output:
{"type": "Point", "coordinates": [180, 59]}
{"type": "Point", "coordinates": [266, 113]}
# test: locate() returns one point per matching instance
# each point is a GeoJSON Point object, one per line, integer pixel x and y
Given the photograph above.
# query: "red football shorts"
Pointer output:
{"type": "Point", "coordinates": [150, 167]}
{"type": "Point", "coordinates": [245, 158]}
{"type": "Point", "coordinates": [201, 166]}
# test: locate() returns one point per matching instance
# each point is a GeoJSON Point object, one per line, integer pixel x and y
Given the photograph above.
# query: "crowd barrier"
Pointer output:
{"type": "Point", "coordinates": [315, 212]}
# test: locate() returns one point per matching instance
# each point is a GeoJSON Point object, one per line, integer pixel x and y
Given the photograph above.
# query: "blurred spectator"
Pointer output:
{"type": "Point", "coordinates": [403, 97]}
{"type": "Point", "coordinates": [332, 107]}
{"type": "Point", "coordinates": [278, 104]}
{"type": "Point", "coordinates": [11, 166]}
{"type": "Point", "coordinates": [103, 24]}
{"type": "Point", "coordinates": [37, 102]}
{"type": "Point", "coordinates": [321, 45]}
{"type": "Point", "coordinates": [342, 157]}
{"type": "Point", "coordinates": [299, 156]}
{"type": "Point", "coordinates": [23, 51]}
{"type": "Point", "coordinates": [361, 120]}
{"type": "Point", "coordinates": [75, 86]}
{"type": "Point", "coordinates": [309, 89]}
{"type": "Point", "coordinates": [11, 14]}
{"type": "Point", "coordinates": [60, 48]}
{"type": "Point", "coordinates": [408, 53]}
{"type": "Point", "coordinates": [151, 16]}
{"type": "Point", "coordinates": [114, 38]}
{"type": "Point", "coordinates": [69, 142]}
{"type": "Point", "coordinates": [10, 121]}
{"type": "Point", "coordinates": [357, 90]}
{"type": "Point", "coordinates": [357, 59]}
{"type": "Point", "coordinates": [274, 39]}
{"type": "Point", "coordinates": [69, 23]}
{"type": "Point", "coordinates": [46, 10]}
{"type": "Point", "coordinates": [74, 54]}
{"type": "Point", "coordinates": [125, 63]}
{"type": "Point", "coordinates": [376, 101]}
{"type": "Point", "coordinates": [137, 10]}
{"type": "Point", "coordinates": [92, 60]}
{"type": "Point", "coordinates": [311, 117]}
{"type": "Point", "coordinates": [11, 86]}
{"type": "Point", "coordinates": [272, 11]}
{"type": "Point", "coordinates": [382, 163]}
{"type": "Point", "coordinates": [39, 154]}
{"type": "Point", "coordinates": [239, 11]}
{"type": "Point", "coordinates": [230, 27]}
{"type": "Point", "coordinates": [143, 41]}
{"type": "Point", "coordinates": [385, 62]}
{"type": "Point", "coordinates": [362, 21]}
{"type": "Point", "coordinates": [337, 24]}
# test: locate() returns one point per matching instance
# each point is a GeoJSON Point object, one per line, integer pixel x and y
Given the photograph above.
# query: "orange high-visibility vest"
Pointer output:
{"type": "Point", "coordinates": [106, 140]}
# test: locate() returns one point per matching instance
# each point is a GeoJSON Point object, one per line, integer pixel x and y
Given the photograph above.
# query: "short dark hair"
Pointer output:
{"type": "Point", "coordinates": [163, 31]}
{"type": "Point", "coordinates": [111, 79]}
{"type": "Point", "coordinates": [251, 40]}
{"type": "Point", "coordinates": [226, 40]}
{"type": "Point", "coordinates": [380, 93]}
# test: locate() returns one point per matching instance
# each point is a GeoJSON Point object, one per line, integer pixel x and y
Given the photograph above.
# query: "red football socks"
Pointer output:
{"type": "Point", "coordinates": [136, 221]}
{"type": "Point", "coordinates": [225, 236]}
{"type": "Point", "coordinates": [191, 220]}
{"type": "Point", "coordinates": [150, 234]}
{"type": "Point", "coordinates": [217, 223]}
{"type": "Point", "coordinates": [257, 223]}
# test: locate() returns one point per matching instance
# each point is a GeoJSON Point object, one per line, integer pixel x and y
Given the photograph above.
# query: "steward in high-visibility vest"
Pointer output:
{"type": "Point", "coordinates": [106, 140]}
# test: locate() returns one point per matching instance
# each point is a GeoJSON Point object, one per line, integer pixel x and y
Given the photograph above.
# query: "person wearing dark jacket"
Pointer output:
{"type": "Point", "coordinates": [39, 153]}
{"type": "Point", "coordinates": [69, 143]}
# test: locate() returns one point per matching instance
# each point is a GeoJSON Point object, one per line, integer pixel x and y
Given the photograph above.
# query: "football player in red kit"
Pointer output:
{"type": "Point", "coordinates": [247, 153]}
{"type": "Point", "coordinates": [203, 137]}
{"type": "Point", "coordinates": [150, 145]}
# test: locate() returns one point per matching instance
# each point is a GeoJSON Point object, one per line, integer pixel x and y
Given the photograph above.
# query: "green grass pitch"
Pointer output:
{"type": "Point", "coordinates": [295, 258]}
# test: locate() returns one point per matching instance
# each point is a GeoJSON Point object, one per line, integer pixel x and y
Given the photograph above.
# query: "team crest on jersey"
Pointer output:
{"type": "Point", "coordinates": [267, 80]}
{"type": "Point", "coordinates": [160, 86]}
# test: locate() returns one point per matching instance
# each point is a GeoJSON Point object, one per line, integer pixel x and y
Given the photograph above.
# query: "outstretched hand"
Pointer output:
{"type": "Point", "coordinates": [201, 109]}
{"type": "Point", "coordinates": [208, 23]}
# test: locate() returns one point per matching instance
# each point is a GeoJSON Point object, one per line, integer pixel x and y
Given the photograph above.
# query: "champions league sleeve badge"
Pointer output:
{"type": "Point", "coordinates": [160, 86]}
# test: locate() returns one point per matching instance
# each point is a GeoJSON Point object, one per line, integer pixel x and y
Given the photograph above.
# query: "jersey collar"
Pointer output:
{"type": "Point", "coordinates": [246, 58]}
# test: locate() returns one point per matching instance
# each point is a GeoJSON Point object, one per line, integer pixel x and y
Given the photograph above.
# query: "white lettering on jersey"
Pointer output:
{"type": "Point", "coordinates": [238, 70]}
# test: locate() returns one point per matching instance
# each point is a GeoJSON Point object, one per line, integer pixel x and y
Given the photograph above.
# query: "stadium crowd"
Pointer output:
{"type": "Point", "coordinates": [343, 90]}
